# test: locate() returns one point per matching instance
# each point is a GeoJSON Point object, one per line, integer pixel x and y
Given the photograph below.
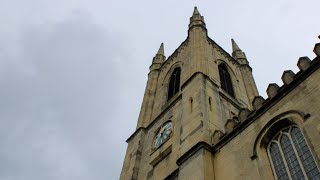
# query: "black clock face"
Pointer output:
{"type": "Point", "coordinates": [163, 134]}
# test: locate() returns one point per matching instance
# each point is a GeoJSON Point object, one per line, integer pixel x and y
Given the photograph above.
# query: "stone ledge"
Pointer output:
{"type": "Point", "coordinates": [161, 156]}
{"type": "Point", "coordinates": [200, 145]}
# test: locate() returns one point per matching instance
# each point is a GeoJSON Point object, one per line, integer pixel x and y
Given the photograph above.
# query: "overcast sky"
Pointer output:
{"type": "Point", "coordinates": [73, 72]}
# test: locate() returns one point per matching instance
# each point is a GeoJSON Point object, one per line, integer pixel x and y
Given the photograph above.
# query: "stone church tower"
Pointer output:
{"type": "Point", "coordinates": [202, 117]}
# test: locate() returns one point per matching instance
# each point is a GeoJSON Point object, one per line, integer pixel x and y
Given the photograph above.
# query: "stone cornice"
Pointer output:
{"type": "Point", "coordinates": [173, 175]}
{"type": "Point", "coordinates": [200, 145]}
{"type": "Point", "coordinates": [135, 132]}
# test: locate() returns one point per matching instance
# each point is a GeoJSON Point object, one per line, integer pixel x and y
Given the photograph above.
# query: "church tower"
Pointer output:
{"type": "Point", "coordinates": [193, 102]}
{"type": "Point", "coordinates": [193, 92]}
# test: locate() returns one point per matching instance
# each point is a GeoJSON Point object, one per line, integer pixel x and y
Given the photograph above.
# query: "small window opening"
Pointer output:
{"type": "Point", "coordinates": [225, 79]}
{"type": "Point", "coordinates": [191, 104]}
{"type": "Point", "coordinates": [174, 84]}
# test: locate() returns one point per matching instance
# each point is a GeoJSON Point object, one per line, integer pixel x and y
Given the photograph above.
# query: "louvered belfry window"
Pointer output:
{"type": "Point", "coordinates": [225, 79]}
{"type": "Point", "coordinates": [174, 84]}
{"type": "Point", "coordinates": [291, 157]}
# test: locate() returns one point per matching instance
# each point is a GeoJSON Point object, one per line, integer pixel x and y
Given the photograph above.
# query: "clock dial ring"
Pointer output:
{"type": "Point", "coordinates": [163, 134]}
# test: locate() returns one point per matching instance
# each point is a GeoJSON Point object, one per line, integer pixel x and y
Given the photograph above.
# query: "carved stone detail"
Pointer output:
{"type": "Point", "coordinates": [257, 102]}
{"type": "Point", "coordinates": [287, 77]}
{"type": "Point", "coordinates": [216, 136]}
{"type": "Point", "coordinates": [316, 49]}
{"type": "Point", "coordinates": [272, 90]}
{"type": "Point", "coordinates": [303, 63]}
{"type": "Point", "coordinates": [243, 114]}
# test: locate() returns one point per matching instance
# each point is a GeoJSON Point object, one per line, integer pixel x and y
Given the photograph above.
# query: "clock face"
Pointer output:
{"type": "Point", "coordinates": [163, 134]}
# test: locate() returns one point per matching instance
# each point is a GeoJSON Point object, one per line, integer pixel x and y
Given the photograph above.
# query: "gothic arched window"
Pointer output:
{"type": "Point", "coordinates": [174, 84]}
{"type": "Point", "coordinates": [291, 157]}
{"type": "Point", "coordinates": [225, 79]}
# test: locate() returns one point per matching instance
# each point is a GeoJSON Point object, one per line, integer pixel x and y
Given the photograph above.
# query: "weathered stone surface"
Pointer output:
{"type": "Point", "coordinates": [230, 124]}
{"type": "Point", "coordinates": [287, 77]}
{"type": "Point", "coordinates": [243, 114]}
{"type": "Point", "coordinates": [272, 90]}
{"type": "Point", "coordinates": [216, 136]}
{"type": "Point", "coordinates": [257, 102]}
{"type": "Point", "coordinates": [303, 63]}
{"type": "Point", "coordinates": [316, 49]}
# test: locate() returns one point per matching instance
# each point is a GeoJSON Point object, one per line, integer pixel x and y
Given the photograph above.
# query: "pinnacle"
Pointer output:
{"type": "Point", "coordinates": [195, 11]}
{"type": "Point", "coordinates": [196, 19]}
{"type": "Point", "coordinates": [235, 47]}
{"type": "Point", "coordinates": [161, 50]}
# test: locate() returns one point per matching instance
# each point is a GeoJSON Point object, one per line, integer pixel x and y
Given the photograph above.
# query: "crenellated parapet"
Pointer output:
{"type": "Point", "coordinates": [287, 76]}
{"type": "Point", "coordinates": [217, 135]}
{"type": "Point", "coordinates": [257, 102]}
{"type": "Point", "coordinates": [316, 49]}
{"type": "Point", "coordinates": [231, 124]}
{"type": "Point", "coordinates": [303, 63]}
{"type": "Point", "coordinates": [272, 90]}
{"type": "Point", "coordinates": [243, 114]}
{"type": "Point", "coordinates": [260, 105]}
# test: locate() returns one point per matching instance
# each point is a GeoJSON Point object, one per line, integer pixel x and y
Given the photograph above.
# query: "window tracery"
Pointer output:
{"type": "Point", "coordinates": [291, 157]}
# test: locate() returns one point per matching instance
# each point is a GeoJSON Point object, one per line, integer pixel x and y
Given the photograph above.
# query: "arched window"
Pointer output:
{"type": "Point", "coordinates": [291, 157]}
{"type": "Point", "coordinates": [225, 79]}
{"type": "Point", "coordinates": [174, 84]}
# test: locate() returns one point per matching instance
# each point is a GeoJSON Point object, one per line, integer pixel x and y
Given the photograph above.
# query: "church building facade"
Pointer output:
{"type": "Point", "coordinates": [202, 117]}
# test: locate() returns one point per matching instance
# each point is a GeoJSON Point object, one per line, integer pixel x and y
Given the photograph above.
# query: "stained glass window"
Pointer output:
{"type": "Point", "coordinates": [291, 157]}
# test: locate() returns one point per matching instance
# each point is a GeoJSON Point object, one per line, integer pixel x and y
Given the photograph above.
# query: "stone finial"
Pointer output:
{"type": "Point", "coordinates": [158, 59]}
{"type": "Point", "coordinates": [303, 63]}
{"type": "Point", "coordinates": [243, 114]}
{"type": "Point", "coordinates": [230, 124]}
{"type": "Point", "coordinates": [196, 19]}
{"type": "Point", "coordinates": [216, 136]}
{"type": "Point", "coordinates": [257, 102]}
{"type": "Point", "coordinates": [195, 11]}
{"type": "Point", "coordinates": [316, 49]}
{"type": "Point", "coordinates": [161, 50]}
{"type": "Point", "coordinates": [235, 46]}
{"type": "Point", "coordinates": [238, 54]}
{"type": "Point", "coordinates": [272, 90]}
{"type": "Point", "coordinates": [287, 77]}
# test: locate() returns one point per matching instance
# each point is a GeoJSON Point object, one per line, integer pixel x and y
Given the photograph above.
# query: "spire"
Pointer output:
{"type": "Point", "coordinates": [235, 47]}
{"type": "Point", "coordinates": [161, 50]}
{"type": "Point", "coordinates": [238, 54]}
{"type": "Point", "coordinates": [196, 19]}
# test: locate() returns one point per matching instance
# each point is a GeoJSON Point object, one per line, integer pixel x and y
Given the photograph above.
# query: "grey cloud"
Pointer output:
{"type": "Point", "coordinates": [58, 100]}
